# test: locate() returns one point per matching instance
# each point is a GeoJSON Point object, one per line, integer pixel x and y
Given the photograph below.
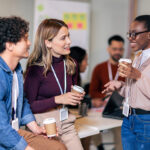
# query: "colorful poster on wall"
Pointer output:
{"type": "Point", "coordinates": [75, 14]}
{"type": "Point", "coordinates": [75, 20]}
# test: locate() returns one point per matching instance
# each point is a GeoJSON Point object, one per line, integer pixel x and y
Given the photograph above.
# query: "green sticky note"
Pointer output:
{"type": "Point", "coordinates": [40, 7]}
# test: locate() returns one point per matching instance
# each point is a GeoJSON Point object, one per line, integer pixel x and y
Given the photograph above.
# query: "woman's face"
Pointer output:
{"type": "Point", "coordinates": [84, 64]}
{"type": "Point", "coordinates": [60, 45]}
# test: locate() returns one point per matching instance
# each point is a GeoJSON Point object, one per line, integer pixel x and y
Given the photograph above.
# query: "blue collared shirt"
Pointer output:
{"type": "Point", "coordinates": [9, 138]}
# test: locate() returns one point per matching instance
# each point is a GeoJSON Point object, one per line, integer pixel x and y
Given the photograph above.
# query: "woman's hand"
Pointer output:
{"type": "Point", "coordinates": [69, 98]}
{"type": "Point", "coordinates": [112, 86]}
{"type": "Point", "coordinates": [126, 70]}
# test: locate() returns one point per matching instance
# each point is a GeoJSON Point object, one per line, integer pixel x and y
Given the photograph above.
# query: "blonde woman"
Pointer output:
{"type": "Point", "coordinates": [48, 79]}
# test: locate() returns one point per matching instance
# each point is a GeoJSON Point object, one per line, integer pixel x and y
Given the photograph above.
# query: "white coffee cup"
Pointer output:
{"type": "Point", "coordinates": [50, 126]}
{"type": "Point", "coordinates": [77, 89]}
{"type": "Point", "coordinates": [125, 60]}
{"type": "Point", "coordinates": [129, 61]}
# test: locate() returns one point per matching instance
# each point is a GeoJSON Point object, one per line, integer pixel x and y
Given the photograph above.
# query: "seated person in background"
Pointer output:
{"type": "Point", "coordinates": [80, 55]}
{"type": "Point", "coordinates": [14, 108]}
{"type": "Point", "coordinates": [106, 71]}
{"type": "Point", "coordinates": [48, 79]}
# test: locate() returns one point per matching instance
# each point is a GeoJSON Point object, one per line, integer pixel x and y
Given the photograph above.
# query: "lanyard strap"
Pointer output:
{"type": "Point", "coordinates": [136, 64]}
{"type": "Point", "coordinates": [57, 80]}
{"type": "Point", "coordinates": [110, 72]}
{"type": "Point", "coordinates": [128, 90]}
{"type": "Point", "coordinates": [15, 93]}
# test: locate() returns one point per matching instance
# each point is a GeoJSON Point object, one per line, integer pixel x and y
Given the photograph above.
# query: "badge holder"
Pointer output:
{"type": "Point", "coordinates": [126, 108]}
{"type": "Point", "coordinates": [15, 124]}
{"type": "Point", "coordinates": [63, 113]}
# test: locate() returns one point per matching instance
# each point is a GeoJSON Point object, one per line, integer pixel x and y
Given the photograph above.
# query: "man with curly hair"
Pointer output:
{"type": "Point", "coordinates": [14, 108]}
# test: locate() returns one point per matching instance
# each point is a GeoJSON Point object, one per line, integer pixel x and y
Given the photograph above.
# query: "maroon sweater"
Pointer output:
{"type": "Point", "coordinates": [40, 90]}
{"type": "Point", "coordinates": [100, 78]}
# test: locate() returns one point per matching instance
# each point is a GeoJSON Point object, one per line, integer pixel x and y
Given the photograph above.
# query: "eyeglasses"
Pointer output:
{"type": "Point", "coordinates": [134, 34]}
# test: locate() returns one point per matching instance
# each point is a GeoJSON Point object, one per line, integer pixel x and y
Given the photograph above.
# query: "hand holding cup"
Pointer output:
{"type": "Point", "coordinates": [126, 70]}
{"type": "Point", "coordinates": [50, 127]}
{"type": "Point", "coordinates": [71, 98]}
{"type": "Point", "coordinates": [77, 89]}
{"type": "Point", "coordinates": [125, 66]}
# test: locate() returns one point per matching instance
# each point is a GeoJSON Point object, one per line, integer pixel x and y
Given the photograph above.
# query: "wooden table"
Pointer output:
{"type": "Point", "coordinates": [94, 123]}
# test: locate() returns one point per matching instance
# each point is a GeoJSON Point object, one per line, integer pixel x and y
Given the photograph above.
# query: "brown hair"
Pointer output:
{"type": "Point", "coordinates": [41, 54]}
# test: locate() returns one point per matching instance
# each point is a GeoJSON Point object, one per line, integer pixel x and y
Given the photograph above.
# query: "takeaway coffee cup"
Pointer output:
{"type": "Point", "coordinates": [124, 60]}
{"type": "Point", "coordinates": [83, 107]}
{"type": "Point", "coordinates": [50, 126]}
{"type": "Point", "coordinates": [77, 89]}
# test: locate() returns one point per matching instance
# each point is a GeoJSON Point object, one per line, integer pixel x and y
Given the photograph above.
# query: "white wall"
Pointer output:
{"type": "Point", "coordinates": [108, 17]}
{"type": "Point", "coordinates": [22, 8]}
{"type": "Point", "coordinates": [143, 7]}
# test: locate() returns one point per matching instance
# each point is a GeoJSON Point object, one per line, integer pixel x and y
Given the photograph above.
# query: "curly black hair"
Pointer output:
{"type": "Point", "coordinates": [12, 29]}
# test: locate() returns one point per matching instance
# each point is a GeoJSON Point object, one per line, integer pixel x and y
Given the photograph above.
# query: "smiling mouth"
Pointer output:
{"type": "Point", "coordinates": [132, 44]}
{"type": "Point", "coordinates": [67, 48]}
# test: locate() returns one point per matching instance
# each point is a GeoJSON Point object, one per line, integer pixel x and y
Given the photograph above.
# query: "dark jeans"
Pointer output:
{"type": "Point", "coordinates": [135, 132]}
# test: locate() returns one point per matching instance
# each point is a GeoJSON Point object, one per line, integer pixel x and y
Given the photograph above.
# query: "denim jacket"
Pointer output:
{"type": "Point", "coordinates": [9, 138]}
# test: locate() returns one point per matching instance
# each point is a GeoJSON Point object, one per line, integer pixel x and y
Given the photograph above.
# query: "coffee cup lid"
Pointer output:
{"type": "Point", "coordinates": [78, 88]}
{"type": "Point", "coordinates": [125, 60]}
{"type": "Point", "coordinates": [49, 120]}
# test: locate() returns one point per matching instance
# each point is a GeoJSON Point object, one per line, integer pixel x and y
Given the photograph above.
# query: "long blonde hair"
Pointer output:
{"type": "Point", "coordinates": [41, 54]}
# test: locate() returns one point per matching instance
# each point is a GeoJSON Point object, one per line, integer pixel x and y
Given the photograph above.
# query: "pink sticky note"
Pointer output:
{"type": "Point", "coordinates": [80, 25]}
{"type": "Point", "coordinates": [70, 25]}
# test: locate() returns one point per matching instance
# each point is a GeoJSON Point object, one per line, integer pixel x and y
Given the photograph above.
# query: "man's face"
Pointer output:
{"type": "Point", "coordinates": [138, 40]}
{"type": "Point", "coordinates": [116, 50]}
{"type": "Point", "coordinates": [21, 48]}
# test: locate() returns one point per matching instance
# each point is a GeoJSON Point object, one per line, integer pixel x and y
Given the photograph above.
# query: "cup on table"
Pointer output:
{"type": "Point", "coordinates": [83, 109]}
{"type": "Point", "coordinates": [50, 127]}
{"type": "Point", "coordinates": [129, 61]}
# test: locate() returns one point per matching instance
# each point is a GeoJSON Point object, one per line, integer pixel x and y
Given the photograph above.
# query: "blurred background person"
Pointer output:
{"type": "Point", "coordinates": [80, 55]}
{"type": "Point", "coordinates": [106, 71]}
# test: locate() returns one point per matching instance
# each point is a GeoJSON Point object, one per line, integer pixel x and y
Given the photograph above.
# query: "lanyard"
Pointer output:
{"type": "Point", "coordinates": [57, 80]}
{"type": "Point", "coordinates": [110, 72]}
{"type": "Point", "coordinates": [15, 93]}
{"type": "Point", "coordinates": [136, 64]}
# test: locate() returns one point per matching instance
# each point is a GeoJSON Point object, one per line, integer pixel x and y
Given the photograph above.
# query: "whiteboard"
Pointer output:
{"type": "Point", "coordinates": [60, 10]}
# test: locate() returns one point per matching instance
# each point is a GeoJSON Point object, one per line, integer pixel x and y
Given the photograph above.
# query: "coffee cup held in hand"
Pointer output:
{"type": "Point", "coordinates": [50, 127]}
{"type": "Point", "coordinates": [129, 61]}
{"type": "Point", "coordinates": [125, 60]}
{"type": "Point", "coordinates": [77, 89]}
